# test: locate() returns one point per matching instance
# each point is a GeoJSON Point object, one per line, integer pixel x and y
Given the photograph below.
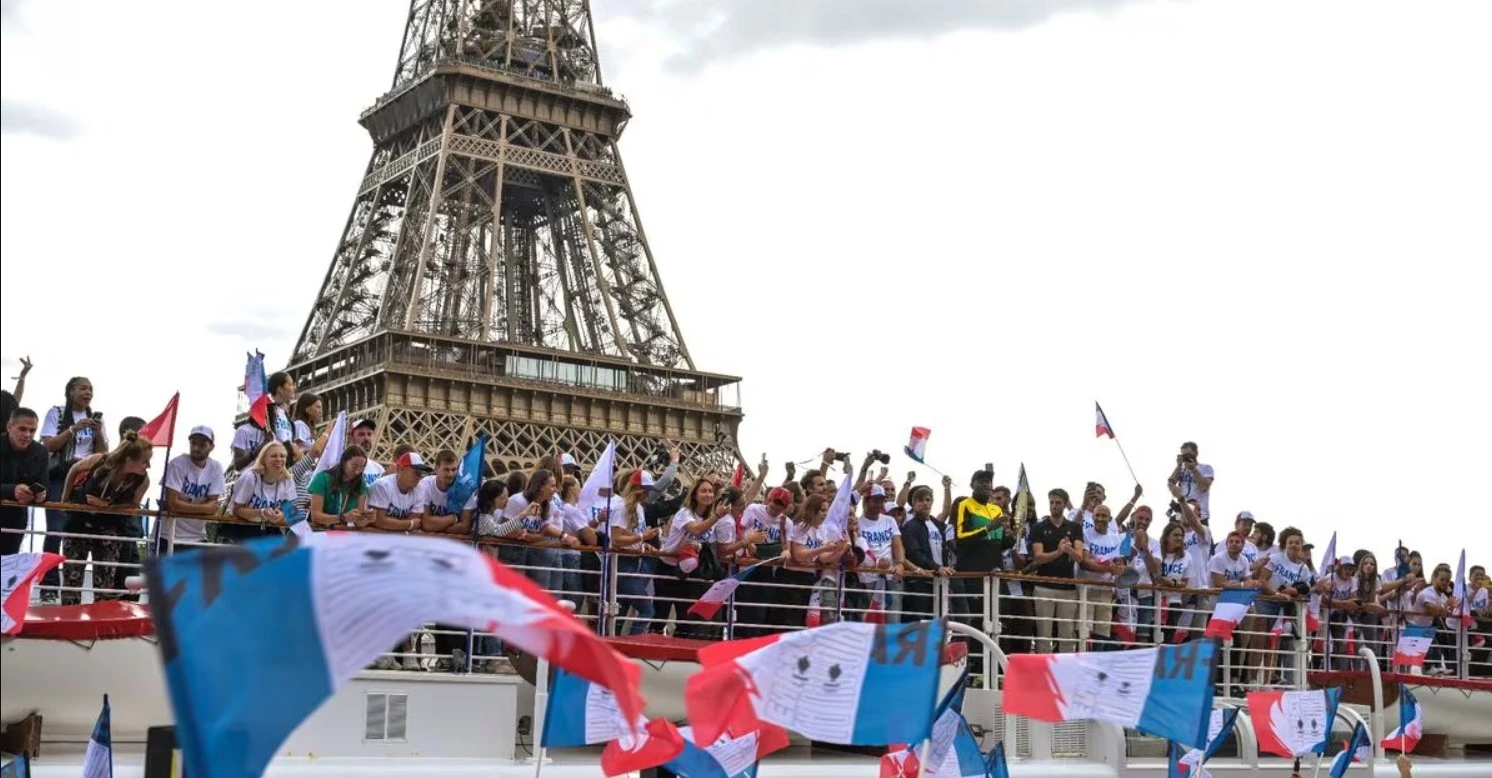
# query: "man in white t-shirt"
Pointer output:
{"type": "Point", "coordinates": [395, 499]}
{"type": "Point", "coordinates": [194, 485]}
{"type": "Point", "coordinates": [1101, 563]}
{"type": "Point", "coordinates": [1229, 568]}
{"type": "Point", "coordinates": [364, 432]}
{"type": "Point", "coordinates": [1194, 478]}
{"type": "Point", "coordinates": [437, 513]}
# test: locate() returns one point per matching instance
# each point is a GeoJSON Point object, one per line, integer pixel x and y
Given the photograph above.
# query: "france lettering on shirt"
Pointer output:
{"type": "Point", "coordinates": [1172, 569]}
{"type": "Point", "coordinates": [259, 503]}
{"type": "Point", "coordinates": [1290, 572]}
{"type": "Point", "coordinates": [812, 541]}
{"type": "Point", "coordinates": [774, 533]}
{"type": "Point", "coordinates": [397, 511]}
{"type": "Point", "coordinates": [1233, 574]}
{"type": "Point", "coordinates": [192, 490]}
{"type": "Point", "coordinates": [1250, 553]}
{"type": "Point", "coordinates": [284, 432]}
{"type": "Point", "coordinates": [875, 539]}
{"type": "Point", "coordinates": [1103, 551]}
{"type": "Point", "coordinates": [532, 523]}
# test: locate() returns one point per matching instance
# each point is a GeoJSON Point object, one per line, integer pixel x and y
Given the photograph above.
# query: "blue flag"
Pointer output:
{"type": "Point", "coordinates": [1359, 749]}
{"type": "Point", "coordinates": [997, 766]}
{"type": "Point", "coordinates": [98, 761]}
{"type": "Point", "coordinates": [1185, 761]}
{"type": "Point", "coordinates": [469, 479]}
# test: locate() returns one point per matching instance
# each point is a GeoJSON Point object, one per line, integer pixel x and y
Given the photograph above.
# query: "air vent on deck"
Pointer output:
{"type": "Point", "coordinates": [387, 717]}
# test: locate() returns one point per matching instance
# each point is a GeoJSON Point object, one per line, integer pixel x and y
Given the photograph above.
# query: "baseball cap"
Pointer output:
{"type": "Point", "coordinates": [413, 460]}
{"type": "Point", "coordinates": [1245, 516]}
{"type": "Point", "coordinates": [780, 496]}
{"type": "Point", "coordinates": [876, 491]}
{"type": "Point", "coordinates": [688, 559]}
{"type": "Point", "coordinates": [641, 478]}
{"type": "Point", "coordinates": [203, 430]}
{"type": "Point", "coordinates": [369, 423]}
{"type": "Point", "coordinates": [568, 461]}
{"type": "Point", "coordinates": [1345, 561]}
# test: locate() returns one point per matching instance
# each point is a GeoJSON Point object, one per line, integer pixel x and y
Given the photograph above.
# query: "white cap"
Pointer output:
{"type": "Point", "coordinates": [1245, 515]}
{"type": "Point", "coordinates": [203, 430]}
{"type": "Point", "coordinates": [876, 491]}
{"type": "Point", "coordinates": [642, 478]}
{"type": "Point", "coordinates": [567, 461]}
{"type": "Point", "coordinates": [364, 422]}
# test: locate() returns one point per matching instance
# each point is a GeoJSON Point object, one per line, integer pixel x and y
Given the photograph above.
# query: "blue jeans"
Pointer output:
{"type": "Point", "coordinates": [632, 591]}
{"type": "Point", "coordinates": [569, 581]}
{"type": "Point", "coordinates": [535, 559]}
{"type": "Point", "coordinates": [56, 522]}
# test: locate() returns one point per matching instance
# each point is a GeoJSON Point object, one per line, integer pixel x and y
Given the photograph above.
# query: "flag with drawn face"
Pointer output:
{"type": "Point", "coordinates": [1292, 724]}
{"type": "Point", "coordinates": [17, 573]}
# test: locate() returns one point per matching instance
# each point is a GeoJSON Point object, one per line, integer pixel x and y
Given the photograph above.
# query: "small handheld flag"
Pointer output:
{"type": "Point", "coordinates": [17, 574]}
{"type": "Point", "coordinates": [1231, 607]}
{"type": "Point", "coordinates": [160, 430]}
{"type": "Point", "coordinates": [98, 760]}
{"type": "Point", "coordinates": [917, 446]}
{"type": "Point", "coordinates": [719, 593]}
{"type": "Point", "coordinates": [336, 443]}
{"type": "Point", "coordinates": [1414, 644]}
{"type": "Point", "coordinates": [1411, 723]}
{"type": "Point", "coordinates": [256, 390]}
{"type": "Point", "coordinates": [469, 478]}
{"type": "Point", "coordinates": [1359, 749]}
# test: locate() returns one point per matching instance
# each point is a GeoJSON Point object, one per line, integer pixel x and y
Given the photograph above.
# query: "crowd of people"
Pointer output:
{"type": "Point", "coordinates": [673, 535]}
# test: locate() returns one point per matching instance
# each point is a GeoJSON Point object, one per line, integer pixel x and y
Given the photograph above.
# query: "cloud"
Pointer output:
{"type": "Point", "coordinates": [19, 117]}
{"type": "Point", "coordinates": [719, 30]}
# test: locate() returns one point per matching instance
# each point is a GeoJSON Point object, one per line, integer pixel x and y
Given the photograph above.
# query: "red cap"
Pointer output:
{"type": "Point", "coordinates": [780, 496]}
{"type": "Point", "coordinates": [688, 559]}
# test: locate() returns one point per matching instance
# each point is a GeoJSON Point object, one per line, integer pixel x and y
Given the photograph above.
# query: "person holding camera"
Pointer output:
{"type": "Point", "coordinates": [23, 475]}
{"type": "Point", "coordinates": [1194, 478]}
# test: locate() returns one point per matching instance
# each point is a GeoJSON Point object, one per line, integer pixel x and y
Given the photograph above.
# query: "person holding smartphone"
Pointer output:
{"type": "Point", "coordinates": [23, 472]}
{"type": "Point", "coordinates": [70, 432]}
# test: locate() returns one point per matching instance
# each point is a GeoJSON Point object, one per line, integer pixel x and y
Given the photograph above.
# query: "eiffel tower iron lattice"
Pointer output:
{"type": "Point", "coordinates": [493, 275]}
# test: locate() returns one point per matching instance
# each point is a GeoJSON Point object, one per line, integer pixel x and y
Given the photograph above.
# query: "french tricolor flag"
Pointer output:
{"type": "Point", "coordinates": [580, 713]}
{"type": "Point", "coordinates": [900, 762]}
{"type": "Point", "coordinates": [1188, 763]}
{"type": "Point", "coordinates": [1459, 592]}
{"type": "Point", "coordinates": [830, 684]}
{"type": "Point", "coordinates": [17, 573]}
{"type": "Point", "coordinates": [1359, 749]}
{"type": "Point", "coordinates": [1104, 429]}
{"type": "Point", "coordinates": [720, 592]}
{"type": "Point", "coordinates": [951, 751]}
{"type": "Point", "coordinates": [240, 606]}
{"type": "Point", "coordinates": [1414, 644]}
{"type": "Point", "coordinates": [256, 390]}
{"type": "Point", "coordinates": [917, 446]}
{"type": "Point", "coordinates": [1411, 723]}
{"type": "Point", "coordinates": [98, 760]}
{"type": "Point", "coordinates": [728, 757]}
{"type": "Point", "coordinates": [1232, 606]}
{"type": "Point", "coordinates": [1165, 691]}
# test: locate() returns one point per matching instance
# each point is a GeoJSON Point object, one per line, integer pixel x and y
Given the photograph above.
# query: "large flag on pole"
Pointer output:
{"type": "Point", "coordinates": [17, 573]}
{"type": "Point", "coordinates": [1414, 644]}
{"type": "Point", "coordinates": [597, 488]}
{"type": "Point", "coordinates": [240, 606]}
{"type": "Point", "coordinates": [162, 429]}
{"type": "Point", "coordinates": [256, 390]}
{"type": "Point", "coordinates": [1023, 499]}
{"type": "Point", "coordinates": [1459, 592]}
{"type": "Point", "coordinates": [830, 684]}
{"type": "Point", "coordinates": [1165, 691]}
{"type": "Point", "coordinates": [837, 522]}
{"type": "Point", "coordinates": [98, 760]}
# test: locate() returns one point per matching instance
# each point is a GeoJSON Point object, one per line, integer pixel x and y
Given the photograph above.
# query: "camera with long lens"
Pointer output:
{"type": "Point", "coordinates": [839, 456]}
{"type": "Point", "coordinates": [878, 455]}
{"type": "Point", "coordinates": [661, 458]}
{"type": "Point", "coordinates": [1173, 511]}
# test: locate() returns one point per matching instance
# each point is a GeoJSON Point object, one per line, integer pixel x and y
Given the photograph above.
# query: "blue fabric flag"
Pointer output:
{"type": "Point", "coordinates": [98, 761]}
{"type": "Point", "coordinates": [997, 766]}
{"type": "Point", "coordinates": [469, 479]}
{"type": "Point", "coordinates": [1183, 761]}
{"type": "Point", "coordinates": [1359, 748]}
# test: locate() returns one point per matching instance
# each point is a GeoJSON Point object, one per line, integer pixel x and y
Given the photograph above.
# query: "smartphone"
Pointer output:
{"type": "Point", "coordinates": [97, 417]}
{"type": "Point", "coordinates": [37, 488]}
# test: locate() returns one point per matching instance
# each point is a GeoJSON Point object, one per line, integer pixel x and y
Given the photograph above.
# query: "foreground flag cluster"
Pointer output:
{"type": "Point", "coordinates": [98, 760]}
{"type": "Point", "coordinates": [1164, 691]}
{"type": "Point", "coordinates": [1188, 763]}
{"type": "Point", "coordinates": [830, 684]}
{"type": "Point", "coordinates": [1411, 723]}
{"type": "Point", "coordinates": [17, 573]}
{"type": "Point", "coordinates": [1359, 749]}
{"type": "Point", "coordinates": [340, 601]}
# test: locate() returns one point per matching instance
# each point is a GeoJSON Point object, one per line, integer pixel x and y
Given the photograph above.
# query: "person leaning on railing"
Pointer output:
{"type": "Point", "coordinates": [114, 480]}
{"type": "Point", "coordinates": [194, 484]}
{"type": "Point", "coordinates": [23, 475]}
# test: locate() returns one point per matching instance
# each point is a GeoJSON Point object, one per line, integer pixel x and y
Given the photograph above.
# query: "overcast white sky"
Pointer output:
{"type": "Point", "coordinates": [1259, 225]}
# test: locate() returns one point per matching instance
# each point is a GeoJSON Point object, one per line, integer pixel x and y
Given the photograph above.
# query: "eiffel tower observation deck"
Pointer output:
{"type": "Point", "coordinates": [493, 275]}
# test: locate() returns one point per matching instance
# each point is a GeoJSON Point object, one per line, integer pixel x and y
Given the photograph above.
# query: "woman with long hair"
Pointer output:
{"type": "Point", "coordinates": [575, 524]}
{"type": "Point", "coordinates": [261, 496]}
{"type": "Point", "coordinates": [629, 531]}
{"type": "Point", "coordinates": [339, 495]}
{"type": "Point", "coordinates": [1369, 617]}
{"type": "Point", "coordinates": [117, 480]}
{"type": "Point", "coordinates": [307, 418]}
{"type": "Point", "coordinates": [543, 521]}
{"type": "Point", "coordinates": [808, 549]}
{"type": "Point", "coordinates": [70, 432]}
{"type": "Point", "coordinates": [689, 539]}
{"type": "Point", "coordinates": [1175, 573]}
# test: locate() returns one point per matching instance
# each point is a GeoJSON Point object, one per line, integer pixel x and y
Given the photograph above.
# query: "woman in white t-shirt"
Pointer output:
{"type": "Point", "coordinates": [1175, 575]}
{"type": "Point", "coordinates": [688, 562]}
{"type": "Point", "coordinates": [628, 531]}
{"type": "Point", "coordinates": [307, 417]}
{"type": "Point", "coordinates": [808, 547]}
{"type": "Point", "coordinates": [575, 524]}
{"type": "Point", "coordinates": [261, 493]}
{"type": "Point", "coordinates": [70, 432]}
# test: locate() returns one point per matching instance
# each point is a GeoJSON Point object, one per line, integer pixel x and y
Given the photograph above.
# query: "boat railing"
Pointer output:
{"type": "Point", "coordinates": [626, 593]}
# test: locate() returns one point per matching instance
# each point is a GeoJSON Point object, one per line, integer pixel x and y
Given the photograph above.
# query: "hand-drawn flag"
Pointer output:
{"type": "Point", "coordinates": [336, 443]}
{"type": "Point", "coordinates": [1231, 607]}
{"type": "Point", "coordinates": [161, 430]}
{"type": "Point", "coordinates": [1292, 724]}
{"type": "Point", "coordinates": [98, 760]}
{"type": "Point", "coordinates": [468, 478]}
{"type": "Point", "coordinates": [900, 761]}
{"type": "Point", "coordinates": [719, 592]}
{"type": "Point", "coordinates": [1187, 763]}
{"type": "Point", "coordinates": [1414, 644]}
{"type": "Point", "coordinates": [917, 446]}
{"type": "Point", "coordinates": [17, 573]}
{"type": "Point", "coordinates": [951, 750]}
{"type": "Point", "coordinates": [256, 390]}
{"type": "Point", "coordinates": [1165, 691]}
{"type": "Point", "coordinates": [830, 684]}
{"type": "Point", "coordinates": [340, 601]}
{"type": "Point", "coordinates": [1104, 428]}
{"type": "Point", "coordinates": [1359, 749]}
{"type": "Point", "coordinates": [1411, 723]}
{"type": "Point", "coordinates": [729, 757]}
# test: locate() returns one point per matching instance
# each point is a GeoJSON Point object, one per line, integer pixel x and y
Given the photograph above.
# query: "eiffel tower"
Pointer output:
{"type": "Point", "coordinates": [493, 275]}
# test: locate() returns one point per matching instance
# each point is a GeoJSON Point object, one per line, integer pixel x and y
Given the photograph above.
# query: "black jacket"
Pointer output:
{"type": "Point", "coordinates": [916, 545]}
{"type": "Point", "coordinates": [22, 467]}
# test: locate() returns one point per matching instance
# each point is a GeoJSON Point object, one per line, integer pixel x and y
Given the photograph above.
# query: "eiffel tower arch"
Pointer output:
{"type": "Point", "coordinates": [493, 275]}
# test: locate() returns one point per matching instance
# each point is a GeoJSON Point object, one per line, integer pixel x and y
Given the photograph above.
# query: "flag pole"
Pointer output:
{"type": "Point", "coordinates": [1126, 461]}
